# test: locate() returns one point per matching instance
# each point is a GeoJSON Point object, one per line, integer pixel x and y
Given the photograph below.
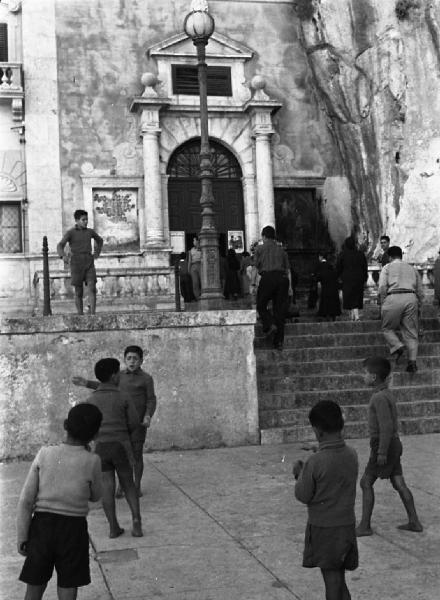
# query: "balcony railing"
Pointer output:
{"type": "Point", "coordinates": [11, 78]}
{"type": "Point", "coordinates": [425, 272]}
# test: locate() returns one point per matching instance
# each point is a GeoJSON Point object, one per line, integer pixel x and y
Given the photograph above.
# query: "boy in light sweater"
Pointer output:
{"type": "Point", "coordinates": [385, 448]}
{"type": "Point", "coordinates": [327, 484]}
{"type": "Point", "coordinates": [53, 505]}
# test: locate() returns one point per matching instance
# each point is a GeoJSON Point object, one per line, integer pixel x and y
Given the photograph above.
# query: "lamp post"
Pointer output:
{"type": "Point", "coordinates": [199, 26]}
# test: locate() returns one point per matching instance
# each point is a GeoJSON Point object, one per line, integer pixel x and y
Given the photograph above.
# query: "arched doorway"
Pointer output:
{"type": "Point", "coordinates": [184, 192]}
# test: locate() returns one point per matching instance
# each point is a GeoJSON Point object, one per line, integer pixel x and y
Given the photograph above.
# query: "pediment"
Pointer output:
{"type": "Point", "coordinates": [219, 46]}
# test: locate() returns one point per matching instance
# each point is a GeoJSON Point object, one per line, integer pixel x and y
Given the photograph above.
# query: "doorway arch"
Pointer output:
{"type": "Point", "coordinates": [184, 190]}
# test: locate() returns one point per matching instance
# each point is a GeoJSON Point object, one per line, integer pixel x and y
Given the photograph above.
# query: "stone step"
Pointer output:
{"type": "Point", "coordinates": [359, 396]}
{"type": "Point", "coordinates": [356, 429]}
{"type": "Point", "coordinates": [281, 367]}
{"type": "Point", "coordinates": [341, 381]}
{"type": "Point", "coordinates": [298, 417]}
{"type": "Point", "coordinates": [315, 328]}
{"type": "Point", "coordinates": [325, 353]}
{"type": "Point", "coordinates": [330, 340]}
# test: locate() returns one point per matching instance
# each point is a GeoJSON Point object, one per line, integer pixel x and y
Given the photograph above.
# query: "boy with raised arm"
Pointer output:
{"type": "Point", "coordinates": [113, 445]}
{"type": "Point", "coordinates": [327, 484]}
{"type": "Point", "coordinates": [53, 506]}
{"type": "Point", "coordinates": [82, 265]}
{"type": "Point", "coordinates": [138, 387]}
{"type": "Point", "coordinates": [385, 448]}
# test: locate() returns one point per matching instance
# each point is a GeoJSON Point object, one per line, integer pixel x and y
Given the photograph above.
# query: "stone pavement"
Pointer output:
{"type": "Point", "coordinates": [224, 525]}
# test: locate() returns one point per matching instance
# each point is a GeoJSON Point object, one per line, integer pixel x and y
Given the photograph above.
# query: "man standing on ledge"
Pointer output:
{"type": "Point", "coordinates": [401, 294]}
{"type": "Point", "coordinates": [273, 265]}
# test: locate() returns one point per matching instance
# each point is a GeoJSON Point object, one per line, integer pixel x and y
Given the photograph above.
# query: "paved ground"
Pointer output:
{"type": "Point", "coordinates": [224, 525]}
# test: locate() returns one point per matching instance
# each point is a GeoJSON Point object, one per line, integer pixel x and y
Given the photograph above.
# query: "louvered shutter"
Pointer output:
{"type": "Point", "coordinates": [185, 80]}
{"type": "Point", "coordinates": [3, 42]}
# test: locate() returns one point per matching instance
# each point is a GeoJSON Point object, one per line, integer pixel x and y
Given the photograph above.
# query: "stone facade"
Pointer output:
{"type": "Point", "coordinates": [333, 95]}
{"type": "Point", "coordinates": [203, 366]}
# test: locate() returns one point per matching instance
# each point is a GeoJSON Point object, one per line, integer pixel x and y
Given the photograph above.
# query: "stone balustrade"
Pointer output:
{"type": "Point", "coordinates": [425, 271]}
{"type": "Point", "coordinates": [10, 77]}
{"type": "Point", "coordinates": [128, 288]}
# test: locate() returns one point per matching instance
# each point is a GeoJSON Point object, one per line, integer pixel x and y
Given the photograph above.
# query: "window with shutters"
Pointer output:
{"type": "Point", "coordinates": [10, 228]}
{"type": "Point", "coordinates": [3, 42]}
{"type": "Point", "coordinates": [186, 81]}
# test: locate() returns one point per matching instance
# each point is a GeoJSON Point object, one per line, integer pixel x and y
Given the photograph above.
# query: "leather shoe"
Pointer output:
{"type": "Point", "coordinates": [398, 354]}
{"type": "Point", "coordinates": [412, 366]}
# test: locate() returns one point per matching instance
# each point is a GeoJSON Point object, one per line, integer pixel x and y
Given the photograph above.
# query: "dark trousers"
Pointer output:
{"type": "Point", "coordinates": [274, 285]}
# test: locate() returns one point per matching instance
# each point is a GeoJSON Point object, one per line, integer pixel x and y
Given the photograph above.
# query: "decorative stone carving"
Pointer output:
{"type": "Point", "coordinates": [149, 81]}
{"type": "Point", "coordinates": [199, 5]}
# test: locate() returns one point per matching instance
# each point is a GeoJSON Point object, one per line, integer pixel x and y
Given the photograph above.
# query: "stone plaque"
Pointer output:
{"type": "Point", "coordinates": [115, 213]}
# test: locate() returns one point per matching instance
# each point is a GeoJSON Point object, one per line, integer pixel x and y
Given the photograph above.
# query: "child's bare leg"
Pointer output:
{"type": "Point", "coordinates": [335, 586]}
{"type": "Point", "coordinates": [399, 484]}
{"type": "Point", "coordinates": [79, 299]}
{"type": "Point", "coordinates": [127, 483]}
{"type": "Point", "coordinates": [108, 503]}
{"type": "Point", "coordinates": [138, 469]}
{"type": "Point", "coordinates": [34, 592]}
{"type": "Point", "coordinates": [67, 593]}
{"type": "Point", "coordinates": [364, 527]}
{"type": "Point", "coordinates": [91, 285]}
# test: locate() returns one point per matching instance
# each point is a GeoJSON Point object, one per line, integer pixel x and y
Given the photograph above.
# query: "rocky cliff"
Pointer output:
{"type": "Point", "coordinates": [375, 70]}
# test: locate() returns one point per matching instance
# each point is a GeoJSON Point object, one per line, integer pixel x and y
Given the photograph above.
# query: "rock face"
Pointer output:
{"type": "Point", "coordinates": [375, 71]}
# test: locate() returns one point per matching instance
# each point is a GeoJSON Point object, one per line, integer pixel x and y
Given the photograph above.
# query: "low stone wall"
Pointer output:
{"type": "Point", "coordinates": [203, 365]}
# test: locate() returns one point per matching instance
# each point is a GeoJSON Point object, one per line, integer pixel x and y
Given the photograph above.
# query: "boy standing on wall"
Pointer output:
{"type": "Point", "coordinates": [82, 265]}
{"type": "Point", "coordinates": [327, 484]}
{"type": "Point", "coordinates": [53, 505]}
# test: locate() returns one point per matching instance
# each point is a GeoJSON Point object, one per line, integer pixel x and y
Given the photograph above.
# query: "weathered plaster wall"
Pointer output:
{"type": "Point", "coordinates": [101, 53]}
{"type": "Point", "coordinates": [377, 80]}
{"type": "Point", "coordinates": [203, 365]}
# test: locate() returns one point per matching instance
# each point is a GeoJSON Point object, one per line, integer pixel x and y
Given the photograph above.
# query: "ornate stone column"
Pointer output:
{"type": "Point", "coordinates": [149, 106]}
{"type": "Point", "coordinates": [260, 109]}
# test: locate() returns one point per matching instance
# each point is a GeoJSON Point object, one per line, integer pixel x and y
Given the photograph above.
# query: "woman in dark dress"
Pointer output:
{"type": "Point", "coordinates": [352, 269]}
{"type": "Point", "coordinates": [329, 303]}
{"type": "Point", "coordinates": [232, 279]}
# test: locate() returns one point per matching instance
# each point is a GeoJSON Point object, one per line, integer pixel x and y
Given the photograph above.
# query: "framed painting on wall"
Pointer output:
{"type": "Point", "coordinates": [236, 240]}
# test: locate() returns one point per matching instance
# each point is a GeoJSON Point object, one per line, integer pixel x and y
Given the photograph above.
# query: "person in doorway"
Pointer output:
{"type": "Point", "coordinates": [328, 289]}
{"type": "Point", "coordinates": [185, 280]}
{"type": "Point", "coordinates": [352, 269]}
{"type": "Point", "coordinates": [137, 386]}
{"type": "Point", "coordinates": [53, 506]}
{"type": "Point", "coordinates": [386, 448]}
{"type": "Point", "coordinates": [113, 445]}
{"type": "Point", "coordinates": [232, 287]}
{"type": "Point", "coordinates": [327, 484]}
{"type": "Point", "coordinates": [195, 268]}
{"type": "Point", "coordinates": [273, 266]}
{"type": "Point", "coordinates": [401, 296]}
{"type": "Point", "coordinates": [82, 265]}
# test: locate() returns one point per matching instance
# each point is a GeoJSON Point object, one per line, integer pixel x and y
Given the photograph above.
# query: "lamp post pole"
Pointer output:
{"type": "Point", "coordinates": [199, 26]}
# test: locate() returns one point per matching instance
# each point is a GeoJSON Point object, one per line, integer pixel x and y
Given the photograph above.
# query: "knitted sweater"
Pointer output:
{"type": "Point", "coordinates": [327, 485]}
{"type": "Point", "coordinates": [62, 479]}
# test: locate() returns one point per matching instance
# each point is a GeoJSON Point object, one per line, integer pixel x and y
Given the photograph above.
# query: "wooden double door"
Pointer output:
{"type": "Point", "coordinates": [185, 211]}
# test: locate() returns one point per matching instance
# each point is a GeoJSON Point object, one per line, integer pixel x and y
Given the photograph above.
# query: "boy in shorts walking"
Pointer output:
{"type": "Point", "coordinates": [327, 484]}
{"type": "Point", "coordinates": [113, 445]}
{"type": "Point", "coordinates": [53, 506]}
{"type": "Point", "coordinates": [385, 448]}
{"type": "Point", "coordinates": [82, 265]}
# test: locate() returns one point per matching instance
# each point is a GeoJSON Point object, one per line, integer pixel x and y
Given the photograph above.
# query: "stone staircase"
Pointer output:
{"type": "Point", "coordinates": [323, 361]}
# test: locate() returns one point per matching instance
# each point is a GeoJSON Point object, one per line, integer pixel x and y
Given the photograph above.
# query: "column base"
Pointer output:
{"type": "Point", "coordinates": [157, 256]}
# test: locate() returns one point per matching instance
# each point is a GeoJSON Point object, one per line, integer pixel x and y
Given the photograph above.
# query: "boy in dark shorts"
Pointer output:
{"type": "Point", "coordinates": [138, 387]}
{"type": "Point", "coordinates": [82, 265]}
{"type": "Point", "coordinates": [53, 506]}
{"type": "Point", "coordinates": [327, 484]}
{"type": "Point", "coordinates": [113, 445]}
{"type": "Point", "coordinates": [385, 448]}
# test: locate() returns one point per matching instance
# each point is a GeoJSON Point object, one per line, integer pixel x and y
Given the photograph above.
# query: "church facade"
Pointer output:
{"type": "Point", "coordinates": [99, 109]}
